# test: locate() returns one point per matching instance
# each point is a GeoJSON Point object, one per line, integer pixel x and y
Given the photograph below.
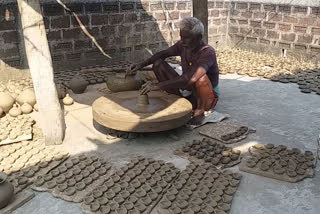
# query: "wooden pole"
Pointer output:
{"type": "Point", "coordinates": [41, 70]}
{"type": "Point", "coordinates": [200, 11]}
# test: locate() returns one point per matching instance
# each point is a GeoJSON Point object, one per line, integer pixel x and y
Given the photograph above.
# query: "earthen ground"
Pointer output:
{"type": "Point", "coordinates": [279, 112]}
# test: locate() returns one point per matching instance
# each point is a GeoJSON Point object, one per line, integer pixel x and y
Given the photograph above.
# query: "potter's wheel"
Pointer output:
{"type": "Point", "coordinates": [125, 111]}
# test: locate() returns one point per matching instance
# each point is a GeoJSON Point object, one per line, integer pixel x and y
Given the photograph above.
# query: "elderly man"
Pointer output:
{"type": "Point", "coordinates": [200, 73]}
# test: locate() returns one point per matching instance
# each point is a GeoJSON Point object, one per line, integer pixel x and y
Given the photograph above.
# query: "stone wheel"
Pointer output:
{"type": "Point", "coordinates": [119, 111]}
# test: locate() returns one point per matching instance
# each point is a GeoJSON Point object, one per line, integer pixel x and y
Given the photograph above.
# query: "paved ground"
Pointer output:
{"type": "Point", "coordinates": [279, 112]}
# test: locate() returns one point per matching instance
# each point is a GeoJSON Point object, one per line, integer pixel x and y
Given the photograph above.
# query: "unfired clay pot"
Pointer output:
{"type": "Point", "coordinates": [27, 96]}
{"type": "Point", "coordinates": [26, 108]}
{"type": "Point", "coordinates": [6, 191]}
{"type": "Point", "coordinates": [67, 100]}
{"type": "Point", "coordinates": [78, 84]}
{"type": "Point", "coordinates": [6, 101]}
{"type": "Point", "coordinates": [15, 111]}
{"type": "Point", "coordinates": [120, 83]}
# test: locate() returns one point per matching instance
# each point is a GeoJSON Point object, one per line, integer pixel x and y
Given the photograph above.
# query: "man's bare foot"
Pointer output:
{"type": "Point", "coordinates": [198, 112]}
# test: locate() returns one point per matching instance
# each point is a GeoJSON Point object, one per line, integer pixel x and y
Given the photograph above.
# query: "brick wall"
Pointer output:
{"type": "Point", "coordinates": [218, 22]}
{"type": "Point", "coordinates": [10, 51]}
{"type": "Point", "coordinates": [274, 27]}
{"type": "Point", "coordinates": [123, 29]}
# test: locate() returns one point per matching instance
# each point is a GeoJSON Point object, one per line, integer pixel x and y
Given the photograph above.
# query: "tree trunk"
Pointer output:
{"type": "Point", "coordinates": [41, 70]}
{"type": "Point", "coordinates": [200, 11]}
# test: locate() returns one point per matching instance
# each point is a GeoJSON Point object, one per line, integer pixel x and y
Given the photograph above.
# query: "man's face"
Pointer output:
{"type": "Point", "coordinates": [189, 41]}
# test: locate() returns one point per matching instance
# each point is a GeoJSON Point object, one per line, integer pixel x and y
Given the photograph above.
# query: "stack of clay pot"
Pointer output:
{"type": "Point", "coordinates": [17, 97]}
{"type": "Point", "coordinates": [244, 62]}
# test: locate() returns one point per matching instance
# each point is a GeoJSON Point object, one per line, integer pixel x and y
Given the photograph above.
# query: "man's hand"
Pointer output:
{"type": "Point", "coordinates": [133, 68]}
{"type": "Point", "coordinates": [149, 86]}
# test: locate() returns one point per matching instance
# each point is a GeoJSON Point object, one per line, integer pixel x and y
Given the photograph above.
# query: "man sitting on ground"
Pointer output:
{"type": "Point", "coordinates": [200, 73]}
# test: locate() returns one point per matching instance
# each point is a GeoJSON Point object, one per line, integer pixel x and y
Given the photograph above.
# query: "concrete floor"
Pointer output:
{"type": "Point", "coordinates": [279, 112]}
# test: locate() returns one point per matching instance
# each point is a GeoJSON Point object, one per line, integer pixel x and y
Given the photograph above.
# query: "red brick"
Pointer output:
{"type": "Point", "coordinates": [284, 27]}
{"type": "Point", "coordinates": [255, 23]}
{"type": "Point", "coordinates": [126, 6]}
{"type": "Point", "coordinates": [300, 29]}
{"type": "Point", "coordinates": [53, 10]}
{"type": "Point", "coordinates": [130, 18]}
{"type": "Point", "coordinates": [233, 29]}
{"type": "Point", "coordinates": [265, 41]}
{"type": "Point", "coordinates": [80, 44]}
{"type": "Point", "coordinates": [169, 5]}
{"type": "Point", "coordinates": [288, 37]}
{"type": "Point", "coordinates": [315, 11]}
{"type": "Point", "coordinates": [74, 56]}
{"type": "Point", "coordinates": [300, 47]}
{"type": "Point", "coordinates": [269, 7]}
{"type": "Point", "coordinates": [219, 4]}
{"type": "Point", "coordinates": [213, 30]}
{"type": "Point", "coordinates": [10, 37]}
{"type": "Point", "coordinates": [285, 9]}
{"type": "Point", "coordinates": [259, 15]}
{"type": "Point", "coordinates": [182, 5]}
{"type": "Point", "coordinates": [84, 20]}
{"type": "Point", "coordinates": [246, 31]}
{"type": "Point", "coordinates": [254, 6]}
{"type": "Point", "coordinates": [224, 13]}
{"type": "Point", "coordinates": [99, 19]}
{"type": "Point", "coordinates": [306, 38]}
{"type": "Point", "coordinates": [60, 22]}
{"type": "Point", "coordinates": [210, 5]}
{"type": "Point", "coordinates": [115, 19]}
{"type": "Point", "coordinates": [185, 14]}
{"type": "Point", "coordinates": [222, 29]}
{"type": "Point", "coordinates": [93, 7]}
{"type": "Point", "coordinates": [108, 30]}
{"type": "Point", "coordinates": [284, 45]}
{"type": "Point", "coordinates": [301, 10]}
{"type": "Point", "coordinates": [259, 32]}
{"type": "Point", "coordinates": [145, 17]}
{"type": "Point", "coordinates": [243, 21]}
{"type": "Point", "coordinates": [174, 15]}
{"type": "Point", "coordinates": [7, 25]}
{"type": "Point", "coordinates": [143, 6]}
{"type": "Point", "coordinates": [272, 34]}
{"type": "Point", "coordinates": [124, 30]}
{"type": "Point", "coordinates": [224, 21]}
{"type": "Point", "coordinates": [112, 7]}
{"type": "Point", "coordinates": [160, 16]}
{"type": "Point", "coordinates": [252, 40]}
{"type": "Point", "coordinates": [62, 46]}
{"type": "Point", "coordinates": [307, 21]}
{"type": "Point", "coordinates": [269, 25]}
{"type": "Point", "coordinates": [275, 17]}
{"type": "Point", "coordinates": [9, 52]}
{"type": "Point", "coordinates": [156, 6]}
{"type": "Point", "coordinates": [54, 35]}
{"type": "Point", "coordinates": [247, 14]}
{"type": "Point", "coordinates": [134, 39]}
{"type": "Point", "coordinates": [215, 13]}
{"type": "Point", "coordinates": [242, 6]}
{"type": "Point", "coordinates": [235, 13]}
{"type": "Point", "coordinates": [233, 21]}
{"type": "Point", "coordinates": [216, 21]}
{"type": "Point", "coordinates": [290, 19]}
{"type": "Point", "coordinates": [315, 49]}
{"type": "Point", "coordinates": [315, 31]}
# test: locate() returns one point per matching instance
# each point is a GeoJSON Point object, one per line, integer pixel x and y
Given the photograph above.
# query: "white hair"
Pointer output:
{"type": "Point", "coordinates": [193, 25]}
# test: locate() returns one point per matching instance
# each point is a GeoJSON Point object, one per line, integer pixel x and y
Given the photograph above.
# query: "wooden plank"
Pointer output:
{"type": "Point", "coordinates": [40, 65]}
{"type": "Point", "coordinates": [18, 200]}
{"type": "Point", "coordinates": [200, 11]}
